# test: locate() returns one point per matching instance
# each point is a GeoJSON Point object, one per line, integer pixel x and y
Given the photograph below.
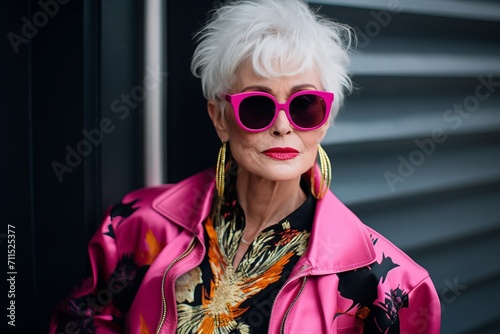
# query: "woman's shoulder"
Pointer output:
{"type": "Point", "coordinates": [151, 194]}
{"type": "Point", "coordinates": [392, 258]}
{"type": "Point", "coordinates": [156, 205]}
{"type": "Point", "coordinates": [386, 251]}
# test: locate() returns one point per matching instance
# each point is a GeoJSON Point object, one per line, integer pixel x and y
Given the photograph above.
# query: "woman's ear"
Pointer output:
{"type": "Point", "coordinates": [217, 117]}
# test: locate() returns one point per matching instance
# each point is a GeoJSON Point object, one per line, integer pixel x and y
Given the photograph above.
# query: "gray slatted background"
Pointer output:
{"type": "Point", "coordinates": [416, 150]}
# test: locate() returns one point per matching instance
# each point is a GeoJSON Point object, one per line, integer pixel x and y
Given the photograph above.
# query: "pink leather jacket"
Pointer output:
{"type": "Point", "coordinates": [350, 280]}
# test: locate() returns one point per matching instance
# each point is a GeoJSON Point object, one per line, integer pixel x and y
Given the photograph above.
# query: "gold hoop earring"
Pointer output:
{"type": "Point", "coordinates": [326, 174]}
{"type": "Point", "coordinates": [220, 171]}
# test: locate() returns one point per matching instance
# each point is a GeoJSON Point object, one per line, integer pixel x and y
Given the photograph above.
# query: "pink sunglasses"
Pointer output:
{"type": "Point", "coordinates": [257, 111]}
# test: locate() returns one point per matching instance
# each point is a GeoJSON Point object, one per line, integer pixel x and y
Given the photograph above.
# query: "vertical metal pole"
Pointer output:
{"type": "Point", "coordinates": [154, 84]}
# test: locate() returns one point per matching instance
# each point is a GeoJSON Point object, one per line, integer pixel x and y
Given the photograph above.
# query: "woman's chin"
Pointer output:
{"type": "Point", "coordinates": [277, 172]}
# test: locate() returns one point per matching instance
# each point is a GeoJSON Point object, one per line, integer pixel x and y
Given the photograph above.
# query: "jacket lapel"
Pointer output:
{"type": "Point", "coordinates": [339, 240]}
{"type": "Point", "coordinates": [189, 202]}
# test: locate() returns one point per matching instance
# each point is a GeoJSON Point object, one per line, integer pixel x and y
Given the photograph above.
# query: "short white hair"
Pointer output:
{"type": "Point", "coordinates": [280, 38]}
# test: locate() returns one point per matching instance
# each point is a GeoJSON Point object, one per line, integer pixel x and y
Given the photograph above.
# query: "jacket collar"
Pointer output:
{"type": "Point", "coordinates": [338, 242]}
{"type": "Point", "coordinates": [188, 202]}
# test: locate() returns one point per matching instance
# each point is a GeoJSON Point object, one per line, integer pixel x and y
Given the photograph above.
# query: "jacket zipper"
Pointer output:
{"type": "Point", "coordinates": [164, 301]}
{"type": "Point", "coordinates": [282, 330]}
{"type": "Point", "coordinates": [284, 285]}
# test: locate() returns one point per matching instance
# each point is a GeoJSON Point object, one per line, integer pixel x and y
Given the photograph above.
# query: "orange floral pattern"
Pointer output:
{"type": "Point", "coordinates": [221, 306]}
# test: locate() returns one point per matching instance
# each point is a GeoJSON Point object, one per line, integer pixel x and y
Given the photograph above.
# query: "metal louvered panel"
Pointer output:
{"type": "Point", "coordinates": [416, 149]}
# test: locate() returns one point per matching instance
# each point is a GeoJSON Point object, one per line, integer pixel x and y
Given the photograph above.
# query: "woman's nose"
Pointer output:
{"type": "Point", "coordinates": [282, 125]}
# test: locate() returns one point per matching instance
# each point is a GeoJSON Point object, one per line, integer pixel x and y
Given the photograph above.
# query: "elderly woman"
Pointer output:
{"type": "Point", "coordinates": [260, 245]}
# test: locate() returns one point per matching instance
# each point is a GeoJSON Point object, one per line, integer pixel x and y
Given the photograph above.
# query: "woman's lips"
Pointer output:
{"type": "Point", "coordinates": [281, 153]}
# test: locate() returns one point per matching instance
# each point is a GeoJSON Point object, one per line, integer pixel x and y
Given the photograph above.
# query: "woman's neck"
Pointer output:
{"type": "Point", "coordinates": [266, 202]}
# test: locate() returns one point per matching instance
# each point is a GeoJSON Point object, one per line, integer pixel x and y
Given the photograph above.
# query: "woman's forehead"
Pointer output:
{"type": "Point", "coordinates": [247, 76]}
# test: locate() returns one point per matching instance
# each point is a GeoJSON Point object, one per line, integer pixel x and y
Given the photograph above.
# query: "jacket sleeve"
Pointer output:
{"type": "Point", "coordinates": [95, 306]}
{"type": "Point", "coordinates": [423, 314]}
{"type": "Point", "coordinates": [90, 307]}
{"type": "Point", "coordinates": [120, 254]}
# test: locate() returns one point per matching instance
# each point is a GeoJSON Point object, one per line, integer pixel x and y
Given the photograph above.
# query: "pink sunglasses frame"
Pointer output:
{"type": "Point", "coordinates": [236, 99]}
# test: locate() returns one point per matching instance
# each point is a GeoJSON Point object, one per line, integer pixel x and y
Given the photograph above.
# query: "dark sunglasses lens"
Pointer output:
{"type": "Point", "coordinates": [308, 110]}
{"type": "Point", "coordinates": [256, 112]}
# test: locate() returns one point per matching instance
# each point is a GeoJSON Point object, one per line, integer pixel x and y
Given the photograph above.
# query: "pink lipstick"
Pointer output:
{"type": "Point", "coordinates": [281, 153]}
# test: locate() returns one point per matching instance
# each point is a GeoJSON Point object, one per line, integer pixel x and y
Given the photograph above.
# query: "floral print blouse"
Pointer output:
{"type": "Point", "coordinates": [215, 297]}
